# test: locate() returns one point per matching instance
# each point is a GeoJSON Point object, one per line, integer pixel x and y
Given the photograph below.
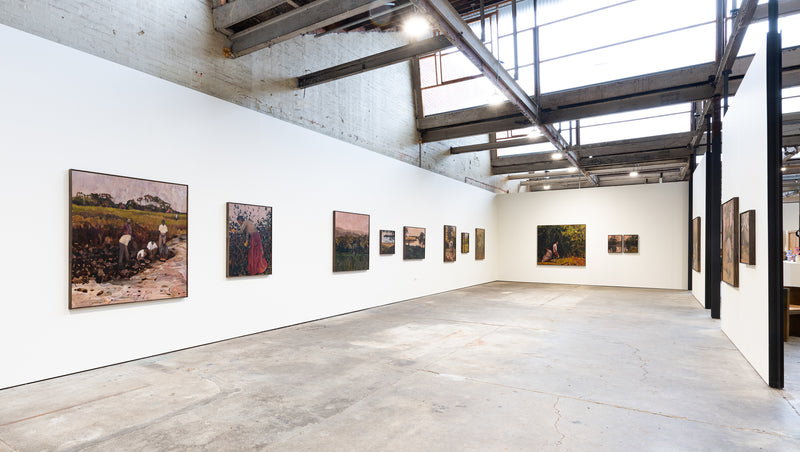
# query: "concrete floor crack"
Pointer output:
{"type": "Point", "coordinates": [558, 419]}
{"type": "Point", "coordinates": [791, 404]}
{"type": "Point", "coordinates": [8, 445]}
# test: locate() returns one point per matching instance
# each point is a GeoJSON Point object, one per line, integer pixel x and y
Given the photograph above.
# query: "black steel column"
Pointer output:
{"type": "Point", "coordinates": [774, 201]}
{"type": "Point", "coordinates": [713, 212]}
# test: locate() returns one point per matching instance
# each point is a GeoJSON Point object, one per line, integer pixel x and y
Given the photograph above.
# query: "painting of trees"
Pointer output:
{"type": "Point", "coordinates": [561, 245]}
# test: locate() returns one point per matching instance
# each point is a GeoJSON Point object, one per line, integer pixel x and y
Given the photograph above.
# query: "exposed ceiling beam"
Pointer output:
{"type": "Point", "coordinates": [229, 14]}
{"type": "Point", "coordinates": [653, 143]}
{"type": "Point", "coordinates": [527, 167]}
{"type": "Point", "coordinates": [638, 157]}
{"type": "Point", "coordinates": [447, 19]}
{"type": "Point", "coordinates": [296, 22]}
{"type": "Point", "coordinates": [498, 145]}
{"type": "Point", "coordinates": [383, 59]}
{"type": "Point", "coordinates": [746, 11]}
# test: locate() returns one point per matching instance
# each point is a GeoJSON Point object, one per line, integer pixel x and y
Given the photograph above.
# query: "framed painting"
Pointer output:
{"type": "Point", "coordinates": [128, 239]}
{"type": "Point", "coordinates": [449, 243]}
{"type": "Point", "coordinates": [413, 243]}
{"type": "Point", "coordinates": [480, 244]}
{"type": "Point", "coordinates": [350, 241]}
{"type": "Point", "coordinates": [249, 250]}
{"type": "Point", "coordinates": [464, 242]}
{"type": "Point", "coordinates": [563, 244]}
{"type": "Point", "coordinates": [730, 242]}
{"type": "Point", "coordinates": [614, 243]}
{"type": "Point", "coordinates": [747, 237]}
{"type": "Point", "coordinates": [387, 242]}
{"type": "Point", "coordinates": [696, 241]}
{"type": "Point", "coordinates": [630, 243]}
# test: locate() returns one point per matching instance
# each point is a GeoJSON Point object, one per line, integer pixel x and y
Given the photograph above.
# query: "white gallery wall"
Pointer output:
{"type": "Point", "coordinates": [64, 109]}
{"type": "Point", "coordinates": [699, 210]}
{"type": "Point", "coordinates": [657, 212]}
{"type": "Point", "coordinates": [791, 216]}
{"type": "Point", "coordinates": [744, 309]}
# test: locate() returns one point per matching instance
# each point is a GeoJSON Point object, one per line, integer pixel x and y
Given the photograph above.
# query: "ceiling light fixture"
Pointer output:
{"type": "Point", "coordinates": [496, 98]}
{"type": "Point", "coordinates": [572, 169]}
{"type": "Point", "coordinates": [557, 156]}
{"type": "Point", "coordinates": [416, 26]}
{"type": "Point", "coordinates": [783, 168]}
{"type": "Point", "coordinates": [546, 187]}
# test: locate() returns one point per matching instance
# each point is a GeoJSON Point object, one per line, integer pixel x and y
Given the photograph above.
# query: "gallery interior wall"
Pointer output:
{"type": "Point", "coordinates": [64, 109]}
{"type": "Point", "coordinates": [744, 309]}
{"type": "Point", "coordinates": [699, 210]}
{"type": "Point", "coordinates": [791, 216]}
{"type": "Point", "coordinates": [657, 212]}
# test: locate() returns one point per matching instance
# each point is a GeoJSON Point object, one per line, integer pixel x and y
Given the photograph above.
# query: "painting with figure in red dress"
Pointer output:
{"type": "Point", "coordinates": [128, 239]}
{"type": "Point", "coordinates": [249, 240]}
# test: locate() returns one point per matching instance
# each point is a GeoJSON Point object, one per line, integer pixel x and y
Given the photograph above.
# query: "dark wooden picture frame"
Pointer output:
{"type": "Point", "coordinates": [350, 241]}
{"type": "Point", "coordinates": [128, 239]}
{"type": "Point", "coordinates": [696, 242]}
{"type": "Point", "coordinates": [449, 243]}
{"type": "Point", "coordinates": [730, 242]}
{"type": "Point", "coordinates": [387, 241]}
{"type": "Point", "coordinates": [248, 240]}
{"type": "Point", "coordinates": [413, 243]}
{"type": "Point", "coordinates": [747, 237]}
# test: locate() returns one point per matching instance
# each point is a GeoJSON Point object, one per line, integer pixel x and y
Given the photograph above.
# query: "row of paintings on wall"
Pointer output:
{"type": "Point", "coordinates": [129, 240]}
{"type": "Point", "coordinates": [738, 240]}
{"type": "Point", "coordinates": [623, 243]}
{"type": "Point", "coordinates": [351, 242]}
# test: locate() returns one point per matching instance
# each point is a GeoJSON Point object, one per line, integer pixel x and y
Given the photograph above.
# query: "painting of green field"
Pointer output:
{"type": "Point", "coordinates": [480, 244]}
{"type": "Point", "coordinates": [413, 243]}
{"type": "Point", "coordinates": [464, 242]}
{"type": "Point", "coordinates": [630, 243]}
{"type": "Point", "coordinates": [350, 241]}
{"type": "Point", "coordinates": [563, 244]}
{"type": "Point", "coordinates": [449, 243]}
{"type": "Point", "coordinates": [128, 239]}
{"type": "Point", "coordinates": [387, 242]}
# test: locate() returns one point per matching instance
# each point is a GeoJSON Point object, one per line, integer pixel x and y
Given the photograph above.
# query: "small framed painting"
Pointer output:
{"type": "Point", "coordinates": [614, 243]}
{"type": "Point", "coordinates": [413, 243]}
{"type": "Point", "coordinates": [449, 243]}
{"type": "Point", "coordinates": [464, 242]}
{"type": "Point", "coordinates": [350, 241]}
{"type": "Point", "coordinates": [696, 235]}
{"type": "Point", "coordinates": [387, 242]}
{"type": "Point", "coordinates": [747, 237]}
{"type": "Point", "coordinates": [480, 244]}
{"type": "Point", "coordinates": [730, 242]}
{"type": "Point", "coordinates": [630, 243]}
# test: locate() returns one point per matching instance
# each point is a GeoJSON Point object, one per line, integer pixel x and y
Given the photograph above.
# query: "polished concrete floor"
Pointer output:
{"type": "Point", "coordinates": [496, 367]}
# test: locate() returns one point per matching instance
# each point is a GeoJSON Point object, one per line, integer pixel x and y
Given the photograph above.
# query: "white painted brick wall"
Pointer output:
{"type": "Point", "coordinates": [175, 40]}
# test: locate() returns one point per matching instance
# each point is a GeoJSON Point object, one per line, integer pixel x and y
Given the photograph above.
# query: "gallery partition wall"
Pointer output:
{"type": "Point", "coordinates": [97, 116]}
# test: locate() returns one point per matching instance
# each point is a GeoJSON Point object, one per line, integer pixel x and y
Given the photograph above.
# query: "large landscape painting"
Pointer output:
{"type": "Point", "coordinates": [249, 240]}
{"type": "Point", "coordinates": [413, 242]}
{"type": "Point", "coordinates": [730, 242]}
{"type": "Point", "coordinates": [563, 244]}
{"type": "Point", "coordinates": [449, 243]}
{"type": "Point", "coordinates": [350, 241]}
{"type": "Point", "coordinates": [128, 239]}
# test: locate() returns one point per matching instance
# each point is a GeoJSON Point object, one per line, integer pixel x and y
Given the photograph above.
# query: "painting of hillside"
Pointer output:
{"type": "Point", "coordinates": [128, 239]}
{"type": "Point", "coordinates": [350, 241]}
